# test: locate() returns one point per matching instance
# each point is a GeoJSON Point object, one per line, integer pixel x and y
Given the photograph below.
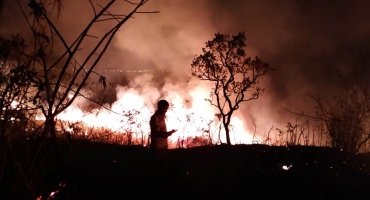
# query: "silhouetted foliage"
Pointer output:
{"type": "Point", "coordinates": [19, 87]}
{"type": "Point", "coordinates": [36, 80]}
{"type": "Point", "coordinates": [235, 75]}
{"type": "Point", "coordinates": [346, 115]}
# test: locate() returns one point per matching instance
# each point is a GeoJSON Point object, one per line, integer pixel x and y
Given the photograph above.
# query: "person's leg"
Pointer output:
{"type": "Point", "coordinates": [159, 168]}
{"type": "Point", "coordinates": [165, 163]}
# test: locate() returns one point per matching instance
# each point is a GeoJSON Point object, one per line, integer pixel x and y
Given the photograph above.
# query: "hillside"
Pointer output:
{"type": "Point", "coordinates": [104, 171]}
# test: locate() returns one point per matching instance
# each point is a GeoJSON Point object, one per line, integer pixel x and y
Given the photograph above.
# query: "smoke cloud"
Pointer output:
{"type": "Point", "coordinates": [307, 42]}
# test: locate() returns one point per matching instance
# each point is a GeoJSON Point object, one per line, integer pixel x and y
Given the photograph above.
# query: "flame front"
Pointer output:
{"type": "Point", "coordinates": [134, 107]}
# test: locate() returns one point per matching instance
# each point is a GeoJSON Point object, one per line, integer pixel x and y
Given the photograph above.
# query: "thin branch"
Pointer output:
{"type": "Point", "coordinates": [56, 31]}
{"type": "Point", "coordinates": [130, 2]}
{"type": "Point", "coordinates": [92, 5]}
{"type": "Point", "coordinates": [148, 12]}
{"type": "Point", "coordinates": [304, 115]}
{"type": "Point", "coordinates": [93, 36]}
{"type": "Point", "coordinates": [111, 18]}
{"type": "Point", "coordinates": [78, 43]}
{"type": "Point", "coordinates": [87, 98]}
{"type": "Point", "coordinates": [117, 15]}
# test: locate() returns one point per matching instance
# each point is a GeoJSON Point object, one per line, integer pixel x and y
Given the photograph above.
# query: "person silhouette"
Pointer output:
{"type": "Point", "coordinates": [159, 138]}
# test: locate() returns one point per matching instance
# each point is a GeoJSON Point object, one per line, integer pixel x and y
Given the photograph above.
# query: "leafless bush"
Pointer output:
{"type": "Point", "coordinates": [302, 132]}
{"type": "Point", "coordinates": [346, 116]}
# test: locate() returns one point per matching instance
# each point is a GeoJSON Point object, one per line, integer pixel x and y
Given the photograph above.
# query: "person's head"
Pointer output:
{"type": "Point", "coordinates": [163, 106]}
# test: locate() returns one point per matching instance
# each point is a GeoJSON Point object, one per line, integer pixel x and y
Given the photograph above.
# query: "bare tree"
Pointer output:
{"type": "Point", "coordinates": [235, 75]}
{"type": "Point", "coordinates": [41, 72]}
{"type": "Point", "coordinates": [66, 75]}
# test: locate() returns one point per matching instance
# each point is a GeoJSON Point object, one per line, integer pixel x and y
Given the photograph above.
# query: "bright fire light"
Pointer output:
{"type": "Point", "coordinates": [287, 167]}
{"type": "Point", "coordinates": [133, 108]}
{"type": "Point", "coordinates": [14, 104]}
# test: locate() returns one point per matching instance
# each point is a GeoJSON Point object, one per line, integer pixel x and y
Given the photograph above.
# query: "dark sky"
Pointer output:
{"type": "Point", "coordinates": [307, 42]}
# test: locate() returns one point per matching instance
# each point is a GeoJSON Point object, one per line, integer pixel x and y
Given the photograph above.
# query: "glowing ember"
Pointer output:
{"type": "Point", "coordinates": [52, 194]}
{"type": "Point", "coordinates": [287, 167]}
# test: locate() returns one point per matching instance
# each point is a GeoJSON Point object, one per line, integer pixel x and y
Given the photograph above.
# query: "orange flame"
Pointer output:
{"type": "Point", "coordinates": [191, 119]}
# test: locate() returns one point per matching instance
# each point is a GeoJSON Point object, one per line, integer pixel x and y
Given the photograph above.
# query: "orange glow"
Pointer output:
{"type": "Point", "coordinates": [133, 108]}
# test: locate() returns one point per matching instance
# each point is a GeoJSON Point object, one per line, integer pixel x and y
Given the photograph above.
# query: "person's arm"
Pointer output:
{"type": "Point", "coordinates": [155, 129]}
{"type": "Point", "coordinates": [162, 134]}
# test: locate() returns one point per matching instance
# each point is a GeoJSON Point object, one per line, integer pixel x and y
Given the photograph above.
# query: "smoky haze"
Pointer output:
{"type": "Point", "coordinates": [306, 42]}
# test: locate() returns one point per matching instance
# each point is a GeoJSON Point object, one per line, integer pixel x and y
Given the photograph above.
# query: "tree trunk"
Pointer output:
{"type": "Point", "coordinates": [227, 133]}
{"type": "Point", "coordinates": [48, 127]}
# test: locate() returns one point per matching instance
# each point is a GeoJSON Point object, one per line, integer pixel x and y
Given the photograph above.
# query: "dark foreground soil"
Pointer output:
{"type": "Point", "coordinates": [104, 171]}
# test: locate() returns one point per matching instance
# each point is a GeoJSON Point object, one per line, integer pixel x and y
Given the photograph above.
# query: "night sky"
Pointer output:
{"type": "Point", "coordinates": [306, 42]}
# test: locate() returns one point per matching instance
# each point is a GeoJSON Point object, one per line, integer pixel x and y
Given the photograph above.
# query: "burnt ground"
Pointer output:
{"type": "Point", "coordinates": [107, 171]}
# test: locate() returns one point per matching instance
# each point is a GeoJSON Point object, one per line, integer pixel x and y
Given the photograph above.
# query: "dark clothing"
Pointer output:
{"type": "Point", "coordinates": [159, 145]}
{"type": "Point", "coordinates": [158, 134]}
